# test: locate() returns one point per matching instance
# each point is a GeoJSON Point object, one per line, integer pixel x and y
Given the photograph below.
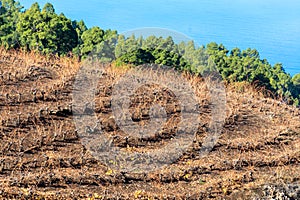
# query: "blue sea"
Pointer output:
{"type": "Point", "coordinates": [270, 26]}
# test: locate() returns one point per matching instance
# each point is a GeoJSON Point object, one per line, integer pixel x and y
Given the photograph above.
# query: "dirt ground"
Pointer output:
{"type": "Point", "coordinates": [42, 157]}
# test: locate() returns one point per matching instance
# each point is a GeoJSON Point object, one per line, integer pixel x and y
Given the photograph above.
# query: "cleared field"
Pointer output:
{"type": "Point", "coordinates": [42, 157]}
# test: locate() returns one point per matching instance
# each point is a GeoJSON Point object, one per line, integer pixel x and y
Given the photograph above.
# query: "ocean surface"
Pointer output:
{"type": "Point", "coordinates": [270, 26]}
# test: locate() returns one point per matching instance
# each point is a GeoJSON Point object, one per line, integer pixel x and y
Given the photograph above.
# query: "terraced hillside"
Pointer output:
{"type": "Point", "coordinates": [42, 157]}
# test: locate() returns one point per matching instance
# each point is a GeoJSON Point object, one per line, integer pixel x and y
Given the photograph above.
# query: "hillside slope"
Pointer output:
{"type": "Point", "coordinates": [257, 155]}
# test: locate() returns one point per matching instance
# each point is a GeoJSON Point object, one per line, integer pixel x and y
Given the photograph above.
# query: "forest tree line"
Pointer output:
{"type": "Point", "coordinates": [44, 31]}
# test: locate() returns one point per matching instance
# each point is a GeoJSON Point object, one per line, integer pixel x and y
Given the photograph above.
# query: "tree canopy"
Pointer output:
{"type": "Point", "coordinates": [9, 16]}
{"type": "Point", "coordinates": [45, 31]}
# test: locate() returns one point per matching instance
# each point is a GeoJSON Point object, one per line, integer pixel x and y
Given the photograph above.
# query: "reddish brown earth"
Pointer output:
{"type": "Point", "coordinates": [41, 156]}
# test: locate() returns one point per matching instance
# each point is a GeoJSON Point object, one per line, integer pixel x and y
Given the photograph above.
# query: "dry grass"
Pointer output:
{"type": "Point", "coordinates": [42, 156]}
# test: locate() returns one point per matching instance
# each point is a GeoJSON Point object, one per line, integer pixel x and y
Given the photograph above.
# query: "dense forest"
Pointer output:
{"type": "Point", "coordinates": [49, 33]}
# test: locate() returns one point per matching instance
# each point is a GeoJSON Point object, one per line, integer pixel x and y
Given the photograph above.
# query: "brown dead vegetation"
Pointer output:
{"type": "Point", "coordinates": [42, 156]}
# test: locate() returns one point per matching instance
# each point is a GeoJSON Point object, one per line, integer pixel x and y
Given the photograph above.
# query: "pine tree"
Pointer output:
{"type": "Point", "coordinates": [9, 16]}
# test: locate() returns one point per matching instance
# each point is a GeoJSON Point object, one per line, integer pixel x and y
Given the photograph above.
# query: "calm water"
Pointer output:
{"type": "Point", "coordinates": [270, 26]}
